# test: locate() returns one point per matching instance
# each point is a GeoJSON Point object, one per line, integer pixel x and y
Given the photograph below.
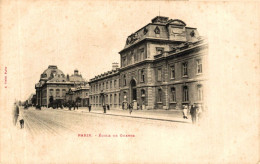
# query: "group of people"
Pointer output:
{"type": "Point", "coordinates": [195, 112]}
{"type": "Point", "coordinates": [73, 104]}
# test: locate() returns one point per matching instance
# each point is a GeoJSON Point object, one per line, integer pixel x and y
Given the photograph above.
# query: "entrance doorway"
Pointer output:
{"type": "Point", "coordinates": [133, 95]}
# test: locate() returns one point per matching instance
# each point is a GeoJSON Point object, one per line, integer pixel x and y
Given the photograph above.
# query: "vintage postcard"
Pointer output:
{"type": "Point", "coordinates": [129, 82]}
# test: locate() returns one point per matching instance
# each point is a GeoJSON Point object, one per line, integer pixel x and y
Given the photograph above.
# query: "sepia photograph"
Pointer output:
{"type": "Point", "coordinates": [129, 82]}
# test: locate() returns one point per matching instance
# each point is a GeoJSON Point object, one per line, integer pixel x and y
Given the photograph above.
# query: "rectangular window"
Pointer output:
{"type": "Point", "coordinates": [173, 94]}
{"type": "Point", "coordinates": [200, 93]}
{"type": "Point", "coordinates": [159, 95]}
{"type": "Point", "coordinates": [142, 76]}
{"type": "Point", "coordinates": [124, 61]}
{"type": "Point", "coordinates": [142, 57]}
{"type": "Point", "coordinates": [111, 99]}
{"type": "Point", "coordinates": [185, 94]}
{"type": "Point", "coordinates": [124, 80]}
{"type": "Point", "coordinates": [172, 72]}
{"type": "Point", "coordinates": [185, 69]}
{"type": "Point", "coordinates": [159, 74]}
{"type": "Point", "coordinates": [199, 66]}
{"type": "Point", "coordinates": [115, 98]}
{"type": "Point", "coordinates": [110, 84]}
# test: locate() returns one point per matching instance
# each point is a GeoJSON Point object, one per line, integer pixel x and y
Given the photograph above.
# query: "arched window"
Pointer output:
{"type": "Point", "coordinates": [142, 93]}
{"type": "Point", "coordinates": [51, 92]}
{"type": "Point", "coordinates": [63, 92]}
{"type": "Point", "coordinates": [185, 93]}
{"type": "Point", "coordinates": [200, 92]}
{"type": "Point", "coordinates": [173, 94]}
{"type": "Point", "coordinates": [57, 93]}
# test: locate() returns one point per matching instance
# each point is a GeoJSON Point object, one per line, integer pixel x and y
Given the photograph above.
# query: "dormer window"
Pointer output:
{"type": "Point", "coordinates": [192, 33]}
{"type": "Point", "coordinates": [157, 30]}
{"type": "Point", "coordinates": [145, 30]}
{"type": "Point", "coordinates": [159, 50]}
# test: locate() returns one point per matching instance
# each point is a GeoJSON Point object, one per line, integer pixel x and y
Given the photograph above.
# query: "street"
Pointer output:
{"type": "Point", "coordinates": [59, 122]}
{"type": "Point", "coordinates": [79, 136]}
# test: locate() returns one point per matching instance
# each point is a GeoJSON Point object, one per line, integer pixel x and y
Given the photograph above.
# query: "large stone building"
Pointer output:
{"type": "Point", "coordinates": [53, 85]}
{"type": "Point", "coordinates": [163, 66]}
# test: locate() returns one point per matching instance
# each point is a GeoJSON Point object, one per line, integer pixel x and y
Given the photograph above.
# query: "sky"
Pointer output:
{"type": "Point", "coordinates": [88, 35]}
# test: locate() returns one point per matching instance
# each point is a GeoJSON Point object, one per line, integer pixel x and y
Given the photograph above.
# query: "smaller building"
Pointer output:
{"type": "Point", "coordinates": [79, 94]}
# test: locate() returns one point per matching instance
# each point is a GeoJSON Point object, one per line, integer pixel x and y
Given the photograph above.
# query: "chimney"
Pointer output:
{"type": "Point", "coordinates": [114, 66]}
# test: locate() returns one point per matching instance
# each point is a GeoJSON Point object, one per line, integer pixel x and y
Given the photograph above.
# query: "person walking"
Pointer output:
{"type": "Point", "coordinates": [89, 108]}
{"type": "Point", "coordinates": [15, 113]}
{"type": "Point", "coordinates": [185, 111]}
{"type": "Point", "coordinates": [199, 113]}
{"type": "Point", "coordinates": [70, 105]}
{"type": "Point", "coordinates": [193, 114]}
{"type": "Point", "coordinates": [130, 106]}
{"type": "Point", "coordinates": [104, 108]}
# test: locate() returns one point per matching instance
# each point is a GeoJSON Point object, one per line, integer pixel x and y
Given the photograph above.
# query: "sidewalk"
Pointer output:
{"type": "Point", "coordinates": [162, 115]}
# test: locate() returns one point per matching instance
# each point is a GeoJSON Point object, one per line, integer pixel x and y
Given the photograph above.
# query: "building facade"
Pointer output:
{"type": "Point", "coordinates": [105, 90]}
{"type": "Point", "coordinates": [163, 66]}
{"type": "Point", "coordinates": [53, 86]}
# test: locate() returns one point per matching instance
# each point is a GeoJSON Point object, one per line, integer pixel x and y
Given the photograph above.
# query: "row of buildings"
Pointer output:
{"type": "Point", "coordinates": [162, 66]}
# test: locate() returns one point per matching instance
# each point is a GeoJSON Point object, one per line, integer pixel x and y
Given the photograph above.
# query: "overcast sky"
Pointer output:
{"type": "Point", "coordinates": [86, 35]}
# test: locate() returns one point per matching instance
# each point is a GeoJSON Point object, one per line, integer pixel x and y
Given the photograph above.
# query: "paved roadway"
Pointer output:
{"type": "Point", "coordinates": [59, 122]}
{"type": "Point", "coordinates": [53, 136]}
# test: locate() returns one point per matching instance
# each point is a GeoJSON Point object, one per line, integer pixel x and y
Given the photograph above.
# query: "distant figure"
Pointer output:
{"type": "Point", "coordinates": [130, 106]}
{"type": "Point", "coordinates": [108, 107]}
{"type": "Point", "coordinates": [69, 105]}
{"type": "Point", "coordinates": [123, 105]}
{"type": "Point", "coordinates": [193, 113]}
{"type": "Point", "coordinates": [74, 105]}
{"type": "Point", "coordinates": [15, 113]}
{"type": "Point", "coordinates": [104, 108]}
{"type": "Point", "coordinates": [89, 108]}
{"type": "Point", "coordinates": [185, 111]}
{"type": "Point", "coordinates": [199, 113]}
{"type": "Point", "coordinates": [21, 123]}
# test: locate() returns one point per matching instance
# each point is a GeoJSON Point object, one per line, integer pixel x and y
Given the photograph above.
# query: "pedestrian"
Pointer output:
{"type": "Point", "coordinates": [193, 114]}
{"type": "Point", "coordinates": [199, 113]}
{"type": "Point", "coordinates": [69, 105]}
{"type": "Point", "coordinates": [104, 108]}
{"type": "Point", "coordinates": [89, 107]}
{"type": "Point", "coordinates": [15, 113]}
{"type": "Point", "coordinates": [185, 111]}
{"type": "Point", "coordinates": [108, 107]}
{"type": "Point", "coordinates": [21, 120]}
{"type": "Point", "coordinates": [77, 105]}
{"type": "Point", "coordinates": [74, 105]}
{"type": "Point", "coordinates": [130, 108]}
